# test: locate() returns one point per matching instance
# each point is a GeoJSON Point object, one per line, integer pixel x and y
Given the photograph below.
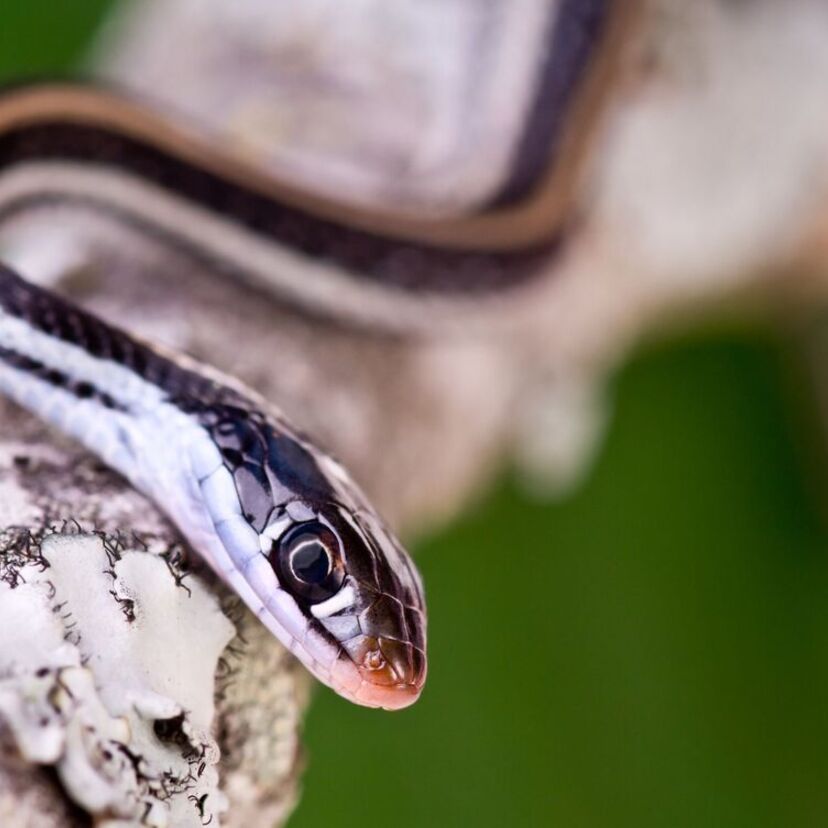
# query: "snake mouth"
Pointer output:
{"type": "Point", "coordinates": [387, 697]}
{"type": "Point", "coordinates": [384, 673]}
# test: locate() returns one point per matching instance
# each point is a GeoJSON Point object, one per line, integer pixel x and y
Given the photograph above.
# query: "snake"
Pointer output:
{"type": "Point", "coordinates": [277, 517]}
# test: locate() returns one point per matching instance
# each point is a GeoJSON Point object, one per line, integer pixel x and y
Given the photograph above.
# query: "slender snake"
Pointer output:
{"type": "Point", "coordinates": [276, 517]}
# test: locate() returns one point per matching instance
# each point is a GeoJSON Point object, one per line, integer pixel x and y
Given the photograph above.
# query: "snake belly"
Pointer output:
{"type": "Point", "coordinates": [278, 519]}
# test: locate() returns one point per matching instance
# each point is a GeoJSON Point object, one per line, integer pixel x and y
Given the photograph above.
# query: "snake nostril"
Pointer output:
{"type": "Point", "coordinates": [385, 661]}
{"type": "Point", "coordinates": [388, 663]}
{"type": "Point", "coordinates": [391, 672]}
{"type": "Point", "coordinates": [374, 660]}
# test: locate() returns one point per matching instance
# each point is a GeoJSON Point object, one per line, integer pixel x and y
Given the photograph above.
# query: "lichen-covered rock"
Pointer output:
{"type": "Point", "coordinates": [93, 683]}
{"type": "Point", "coordinates": [139, 682]}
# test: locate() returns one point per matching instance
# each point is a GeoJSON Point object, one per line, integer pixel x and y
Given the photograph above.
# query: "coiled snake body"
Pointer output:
{"type": "Point", "coordinates": [276, 517]}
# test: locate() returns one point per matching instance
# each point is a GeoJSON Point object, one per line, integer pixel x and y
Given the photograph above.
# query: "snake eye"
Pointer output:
{"type": "Point", "coordinates": [307, 561]}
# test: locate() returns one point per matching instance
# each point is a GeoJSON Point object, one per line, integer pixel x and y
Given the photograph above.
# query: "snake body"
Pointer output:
{"type": "Point", "coordinates": [279, 520]}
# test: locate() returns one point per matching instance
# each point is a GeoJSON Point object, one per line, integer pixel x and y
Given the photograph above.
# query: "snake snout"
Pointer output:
{"type": "Point", "coordinates": [393, 673]}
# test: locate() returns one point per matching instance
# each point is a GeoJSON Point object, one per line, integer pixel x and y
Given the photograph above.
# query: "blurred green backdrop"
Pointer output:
{"type": "Point", "coordinates": [651, 652]}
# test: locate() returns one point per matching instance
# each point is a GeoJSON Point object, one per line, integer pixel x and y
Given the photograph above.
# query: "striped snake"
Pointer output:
{"type": "Point", "coordinates": [276, 517]}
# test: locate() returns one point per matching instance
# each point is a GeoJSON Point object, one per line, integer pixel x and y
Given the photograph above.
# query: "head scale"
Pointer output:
{"type": "Point", "coordinates": [337, 586]}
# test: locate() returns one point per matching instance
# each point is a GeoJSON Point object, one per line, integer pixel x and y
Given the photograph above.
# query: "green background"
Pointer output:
{"type": "Point", "coordinates": [651, 652]}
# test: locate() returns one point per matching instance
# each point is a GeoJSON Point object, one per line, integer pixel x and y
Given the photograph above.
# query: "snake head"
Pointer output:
{"type": "Point", "coordinates": [360, 597]}
{"type": "Point", "coordinates": [306, 551]}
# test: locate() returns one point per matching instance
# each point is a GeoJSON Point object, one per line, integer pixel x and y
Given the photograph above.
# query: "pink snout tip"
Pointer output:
{"type": "Point", "coordinates": [389, 674]}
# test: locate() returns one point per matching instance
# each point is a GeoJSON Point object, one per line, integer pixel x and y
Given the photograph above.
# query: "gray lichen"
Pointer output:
{"type": "Point", "coordinates": [125, 676]}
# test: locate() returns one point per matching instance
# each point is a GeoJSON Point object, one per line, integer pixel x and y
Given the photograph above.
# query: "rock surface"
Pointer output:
{"type": "Point", "coordinates": [124, 675]}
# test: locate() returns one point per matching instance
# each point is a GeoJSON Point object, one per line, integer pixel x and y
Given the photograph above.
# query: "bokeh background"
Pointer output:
{"type": "Point", "coordinates": [650, 651]}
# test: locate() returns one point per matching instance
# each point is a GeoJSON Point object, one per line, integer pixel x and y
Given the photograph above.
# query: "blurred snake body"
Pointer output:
{"type": "Point", "coordinates": [277, 518]}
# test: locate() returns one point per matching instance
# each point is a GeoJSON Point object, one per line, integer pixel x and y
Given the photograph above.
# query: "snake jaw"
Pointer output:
{"type": "Point", "coordinates": [391, 672]}
{"type": "Point", "coordinates": [393, 697]}
{"type": "Point", "coordinates": [367, 694]}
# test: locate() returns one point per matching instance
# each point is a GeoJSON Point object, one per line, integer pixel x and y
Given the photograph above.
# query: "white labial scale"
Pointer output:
{"type": "Point", "coordinates": [260, 575]}
{"type": "Point", "coordinates": [342, 627]}
{"type": "Point", "coordinates": [342, 600]}
{"type": "Point", "coordinates": [256, 585]}
{"type": "Point", "coordinates": [319, 648]}
{"type": "Point", "coordinates": [277, 610]}
{"type": "Point", "coordinates": [179, 490]}
{"type": "Point", "coordinates": [204, 456]}
{"type": "Point", "coordinates": [240, 543]}
{"type": "Point", "coordinates": [282, 617]}
{"type": "Point", "coordinates": [240, 540]}
{"type": "Point", "coordinates": [345, 679]}
{"type": "Point", "coordinates": [274, 531]}
{"type": "Point", "coordinates": [214, 546]}
{"type": "Point", "coordinates": [220, 495]}
{"type": "Point", "coordinates": [280, 605]}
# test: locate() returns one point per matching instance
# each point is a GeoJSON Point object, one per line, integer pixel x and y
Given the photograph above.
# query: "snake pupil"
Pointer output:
{"type": "Point", "coordinates": [306, 557]}
{"type": "Point", "coordinates": [310, 561]}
